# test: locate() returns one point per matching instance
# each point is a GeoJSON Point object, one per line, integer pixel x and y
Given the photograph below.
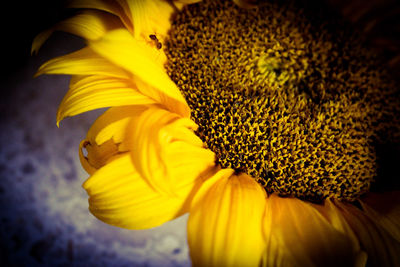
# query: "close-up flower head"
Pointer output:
{"type": "Point", "coordinates": [271, 123]}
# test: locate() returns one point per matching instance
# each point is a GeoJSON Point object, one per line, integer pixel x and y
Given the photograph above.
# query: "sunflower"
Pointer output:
{"type": "Point", "coordinates": [262, 120]}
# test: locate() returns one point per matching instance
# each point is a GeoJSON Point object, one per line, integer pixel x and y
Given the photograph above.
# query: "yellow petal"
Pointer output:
{"type": "Point", "coordinates": [149, 149]}
{"type": "Point", "coordinates": [382, 248]}
{"type": "Point", "coordinates": [106, 136]}
{"type": "Point", "coordinates": [82, 62]}
{"type": "Point", "coordinates": [98, 92]}
{"type": "Point", "coordinates": [150, 17]}
{"type": "Point", "coordinates": [336, 219]}
{"type": "Point", "coordinates": [121, 48]}
{"type": "Point", "coordinates": [99, 155]}
{"type": "Point", "coordinates": [225, 221]}
{"type": "Point", "coordinates": [385, 209]}
{"type": "Point", "coordinates": [90, 24]}
{"type": "Point", "coordinates": [120, 197]}
{"type": "Point", "coordinates": [186, 162]}
{"type": "Point", "coordinates": [113, 124]}
{"type": "Point", "coordinates": [274, 255]}
{"type": "Point", "coordinates": [84, 160]}
{"type": "Point", "coordinates": [297, 230]}
{"type": "Point", "coordinates": [108, 6]}
{"type": "Point", "coordinates": [152, 139]}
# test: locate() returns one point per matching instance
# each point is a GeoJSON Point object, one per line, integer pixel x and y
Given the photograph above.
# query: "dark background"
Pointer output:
{"type": "Point", "coordinates": [20, 22]}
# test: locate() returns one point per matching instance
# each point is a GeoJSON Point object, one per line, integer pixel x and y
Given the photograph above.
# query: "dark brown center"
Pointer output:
{"type": "Point", "coordinates": [282, 96]}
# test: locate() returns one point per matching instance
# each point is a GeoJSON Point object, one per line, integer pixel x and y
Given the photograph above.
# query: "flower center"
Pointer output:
{"type": "Point", "coordinates": [281, 97]}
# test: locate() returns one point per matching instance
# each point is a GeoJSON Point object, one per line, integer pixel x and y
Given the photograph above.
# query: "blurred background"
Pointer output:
{"type": "Point", "coordinates": [44, 220]}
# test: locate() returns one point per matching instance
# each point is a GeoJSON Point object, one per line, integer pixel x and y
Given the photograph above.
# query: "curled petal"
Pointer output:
{"type": "Point", "coordinates": [164, 147]}
{"type": "Point", "coordinates": [106, 137]}
{"type": "Point", "coordinates": [113, 124]}
{"type": "Point", "coordinates": [149, 149]}
{"type": "Point", "coordinates": [97, 155]}
{"type": "Point", "coordinates": [84, 160]}
{"type": "Point", "coordinates": [225, 221]}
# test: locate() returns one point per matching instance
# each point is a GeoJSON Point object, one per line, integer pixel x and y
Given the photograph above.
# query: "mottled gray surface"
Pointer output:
{"type": "Point", "coordinates": [44, 216]}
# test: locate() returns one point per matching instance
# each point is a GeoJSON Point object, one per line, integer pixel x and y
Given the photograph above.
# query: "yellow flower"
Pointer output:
{"type": "Point", "coordinates": [255, 121]}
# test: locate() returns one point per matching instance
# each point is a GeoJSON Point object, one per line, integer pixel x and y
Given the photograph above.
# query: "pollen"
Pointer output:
{"type": "Point", "coordinates": [284, 95]}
